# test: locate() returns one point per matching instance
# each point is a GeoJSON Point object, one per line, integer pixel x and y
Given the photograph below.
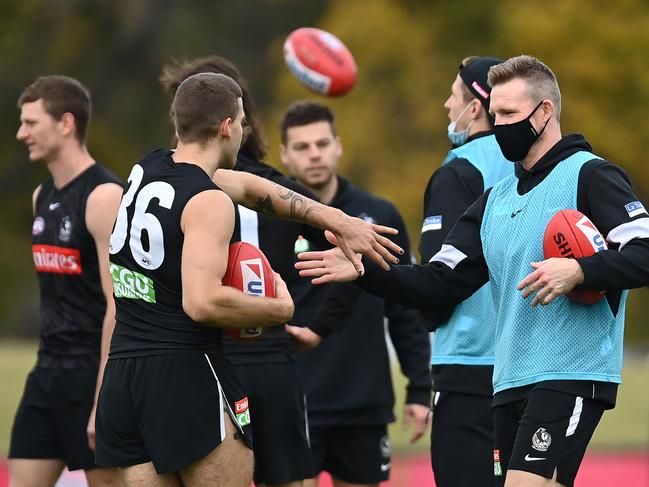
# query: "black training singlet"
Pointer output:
{"type": "Point", "coordinates": [65, 256]}
{"type": "Point", "coordinates": [145, 261]}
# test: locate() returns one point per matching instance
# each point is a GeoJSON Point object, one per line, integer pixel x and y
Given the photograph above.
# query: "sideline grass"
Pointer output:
{"type": "Point", "coordinates": [625, 427]}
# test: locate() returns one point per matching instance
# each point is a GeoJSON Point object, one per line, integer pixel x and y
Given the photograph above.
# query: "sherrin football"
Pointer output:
{"type": "Point", "coordinates": [571, 234]}
{"type": "Point", "coordinates": [249, 271]}
{"type": "Point", "coordinates": [320, 61]}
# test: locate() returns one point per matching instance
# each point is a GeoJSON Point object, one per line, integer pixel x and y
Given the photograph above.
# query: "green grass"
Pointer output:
{"type": "Point", "coordinates": [18, 357]}
{"type": "Point", "coordinates": [625, 427]}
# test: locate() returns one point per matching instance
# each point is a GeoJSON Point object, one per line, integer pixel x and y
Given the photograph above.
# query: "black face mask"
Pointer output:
{"type": "Point", "coordinates": [516, 139]}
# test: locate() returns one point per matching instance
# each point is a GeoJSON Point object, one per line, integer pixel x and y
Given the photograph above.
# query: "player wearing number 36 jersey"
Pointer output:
{"type": "Point", "coordinates": [171, 408]}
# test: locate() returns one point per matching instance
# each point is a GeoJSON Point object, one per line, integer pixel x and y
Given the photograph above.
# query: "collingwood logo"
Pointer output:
{"type": "Point", "coordinates": [65, 229]}
{"type": "Point", "coordinates": [541, 440]}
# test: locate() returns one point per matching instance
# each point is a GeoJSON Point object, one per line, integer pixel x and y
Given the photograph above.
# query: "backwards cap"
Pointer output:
{"type": "Point", "coordinates": [474, 75]}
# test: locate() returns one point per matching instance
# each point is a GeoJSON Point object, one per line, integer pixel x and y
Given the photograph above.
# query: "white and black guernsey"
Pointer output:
{"type": "Point", "coordinates": [65, 256]}
{"type": "Point", "coordinates": [276, 238]}
{"type": "Point", "coordinates": [145, 261]}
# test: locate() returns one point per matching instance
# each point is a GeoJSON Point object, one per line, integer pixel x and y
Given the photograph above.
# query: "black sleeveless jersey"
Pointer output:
{"type": "Point", "coordinates": [145, 261]}
{"type": "Point", "coordinates": [65, 256]}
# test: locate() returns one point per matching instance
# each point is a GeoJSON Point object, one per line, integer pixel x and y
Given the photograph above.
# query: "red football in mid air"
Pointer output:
{"type": "Point", "coordinates": [249, 271]}
{"type": "Point", "coordinates": [320, 61]}
{"type": "Point", "coordinates": [571, 234]}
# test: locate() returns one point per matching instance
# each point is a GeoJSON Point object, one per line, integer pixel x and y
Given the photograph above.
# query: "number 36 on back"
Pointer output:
{"type": "Point", "coordinates": [142, 221]}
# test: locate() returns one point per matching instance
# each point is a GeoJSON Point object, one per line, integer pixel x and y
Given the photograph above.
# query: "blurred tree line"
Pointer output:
{"type": "Point", "coordinates": [392, 124]}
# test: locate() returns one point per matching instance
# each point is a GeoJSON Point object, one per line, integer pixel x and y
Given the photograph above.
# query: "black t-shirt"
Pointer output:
{"type": "Point", "coordinates": [145, 261]}
{"type": "Point", "coordinates": [65, 256]}
{"type": "Point", "coordinates": [347, 377]}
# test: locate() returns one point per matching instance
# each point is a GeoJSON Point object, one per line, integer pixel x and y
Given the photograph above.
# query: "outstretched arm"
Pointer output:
{"type": "Point", "coordinates": [355, 236]}
{"type": "Point", "coordinates": [453, 274]}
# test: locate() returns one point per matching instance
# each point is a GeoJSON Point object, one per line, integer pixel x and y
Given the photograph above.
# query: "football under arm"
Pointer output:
{"type": "Point", "coordinates": [207, 222]}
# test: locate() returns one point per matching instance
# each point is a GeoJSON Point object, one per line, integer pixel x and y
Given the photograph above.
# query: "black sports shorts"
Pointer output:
{"type": "Point", "coordinates": [355, 454]}
{"type": "Point", "coordinates": [462, 440]}
{"type": "Point", "coordinates": [548, 430]}
{"type": "Point", "coordinates": [53, 415]}
{"type": "Point", "coordinates": [168, 409]}
{"type": "Point", "coordinates": [279, 423]}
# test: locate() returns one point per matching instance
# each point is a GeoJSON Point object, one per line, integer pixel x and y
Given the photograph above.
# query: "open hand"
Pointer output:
{"type": "Point", "coordinates": [356, 236]}
{"type": "Point", "coordinates": [327, 266]}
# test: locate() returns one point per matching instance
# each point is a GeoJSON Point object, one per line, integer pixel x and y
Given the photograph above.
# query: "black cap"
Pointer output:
{"type": "Point", "coordinates": [474, 75]}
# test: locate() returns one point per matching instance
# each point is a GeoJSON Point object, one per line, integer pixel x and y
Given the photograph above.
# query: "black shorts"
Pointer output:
{"type": "Point", "coordinates": [355, 454]}
{"type": "Point", "coordinates": [462, 441]}
{"type": "Point", "coordinates": [549, 430]}
{"type": "Point", "coordinates": [168, 409]}
{"type": "Point", "coordinates": [53, 415]}
{"type": "Point", "coordinates": [279, 423]}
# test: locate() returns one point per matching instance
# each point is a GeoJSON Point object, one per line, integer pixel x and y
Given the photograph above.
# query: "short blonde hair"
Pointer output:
{"type": "Point", "coordinates": [541, 81]}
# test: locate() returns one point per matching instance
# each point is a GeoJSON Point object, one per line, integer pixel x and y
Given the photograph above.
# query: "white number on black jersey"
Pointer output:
{"type": "Point", "coordinates": [142, 221]}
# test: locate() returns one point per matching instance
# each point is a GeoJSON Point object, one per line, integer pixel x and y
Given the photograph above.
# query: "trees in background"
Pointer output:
{"type": "Point", "coordinates": [392, 123]}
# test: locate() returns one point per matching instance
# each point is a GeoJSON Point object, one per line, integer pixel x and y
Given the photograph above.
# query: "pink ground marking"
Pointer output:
{"type": "Point", "coordinates": [598, 470]}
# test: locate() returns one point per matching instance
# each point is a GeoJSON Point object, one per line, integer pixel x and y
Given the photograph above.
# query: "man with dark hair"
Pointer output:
{"type": "Point", "coordinates": [73, 214]}
{"type": "Point", "coordinates": [170, 406]}
{"type": "Point", "coordinates": [462, 354]}
{"type": "Point", "coordinates": [349, 389]}
{"type": "Point", "coordinates": [267, 365]}
{"type": "Point", "coordinates": [549, 394]}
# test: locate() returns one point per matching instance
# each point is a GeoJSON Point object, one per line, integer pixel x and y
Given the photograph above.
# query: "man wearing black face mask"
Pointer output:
{"type": "Point", "coordinates": [463, 344]}
{"type": "Point", "coordinates": [557, 366]}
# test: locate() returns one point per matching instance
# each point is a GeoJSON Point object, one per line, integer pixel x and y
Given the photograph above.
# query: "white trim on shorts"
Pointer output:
{"type": "Point", "coordinates": [222, 396]}
{"type": "Point", "coordinates": [576, 415]}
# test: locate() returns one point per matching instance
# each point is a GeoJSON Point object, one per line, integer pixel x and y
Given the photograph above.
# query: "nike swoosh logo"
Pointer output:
{"type": "Point", "coordinates": [514, 213]}
{"type": "Point", "coordinates": [528, 458]}
{"type": "Point", "coordinates": [385, 467]}
{"type": "Point", "coordinates": [54, 206]}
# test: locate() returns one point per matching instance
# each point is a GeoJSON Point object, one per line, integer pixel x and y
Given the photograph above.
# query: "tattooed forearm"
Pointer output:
{"type": "Point", "coordinates": [265, 206]}
{"type": "Point", "coordinates": [299, 208]}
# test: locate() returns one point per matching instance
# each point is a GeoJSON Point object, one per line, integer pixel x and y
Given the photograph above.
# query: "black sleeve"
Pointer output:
{"type": "Point", "coordinates": [336, 306]}
{"type": "Point", "coordinates": [452, 188]}
{"type": "Point", "coordinates": [605, 195]}
{"type": "Point", "coordinates": [408, 334]}
{"type": "Point", "coordinates": [454, 274]}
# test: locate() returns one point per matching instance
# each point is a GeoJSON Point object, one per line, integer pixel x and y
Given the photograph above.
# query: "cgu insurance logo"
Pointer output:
{"type": "Point", "coordinates": [131, 285]}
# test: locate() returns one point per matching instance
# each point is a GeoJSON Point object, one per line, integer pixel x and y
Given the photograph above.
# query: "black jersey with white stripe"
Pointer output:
{"type": "Point", "coordinates": [65, 256]}
{"type": "Point", "coordinates": [276, 238]}
{"type": "Point", "coordinates": [145, 261]}
{"type": "Point", "coordinates": [604, 194]}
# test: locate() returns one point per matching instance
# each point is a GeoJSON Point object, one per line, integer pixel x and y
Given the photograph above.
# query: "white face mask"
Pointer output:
{"type": "Point", "coordinates": [459, 138]}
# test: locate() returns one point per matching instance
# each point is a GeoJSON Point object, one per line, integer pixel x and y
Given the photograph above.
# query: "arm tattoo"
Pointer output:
{"type": "Point", "coordinates": [298, 209]}
{"type": "Point", "coordinates": [265, 206]}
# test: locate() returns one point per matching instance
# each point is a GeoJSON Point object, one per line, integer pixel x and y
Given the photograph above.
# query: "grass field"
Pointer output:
{"type": "Point", "coordinates": [624, 428]}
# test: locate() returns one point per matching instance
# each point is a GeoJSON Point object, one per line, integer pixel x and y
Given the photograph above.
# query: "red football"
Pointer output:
{"type": "Point", "coordinates": [249, 271]}
{"type": "Point", "coordinates": [571, 234]}
{"type": "Point", "coordinates": [320, 61]}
